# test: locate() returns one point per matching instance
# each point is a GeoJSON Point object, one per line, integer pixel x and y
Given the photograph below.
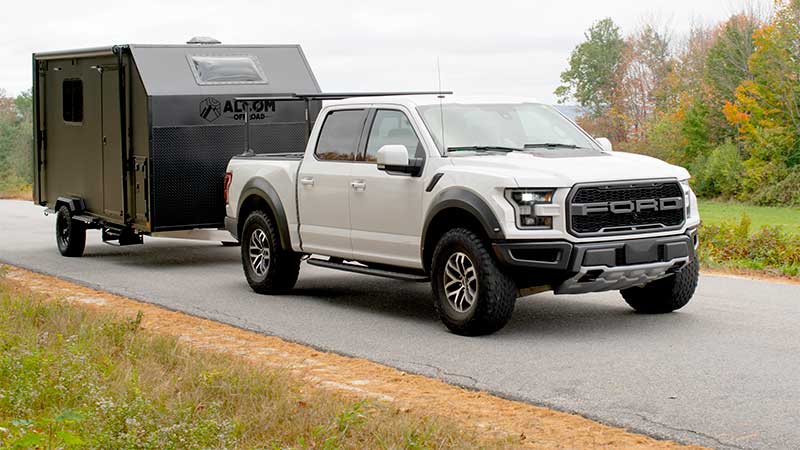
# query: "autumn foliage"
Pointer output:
{"type": "Point", "coordinates": [724, 101]}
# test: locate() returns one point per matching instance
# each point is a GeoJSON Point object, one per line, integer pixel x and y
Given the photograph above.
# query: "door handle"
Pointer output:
{"type": "Point", "coordinates": [358, 185]}
{"type": "Point", "coordinates": [308, 181]}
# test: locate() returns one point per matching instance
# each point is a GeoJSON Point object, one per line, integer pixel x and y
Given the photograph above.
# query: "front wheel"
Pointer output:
{"type": "Point", "coordinates": [269, 268]}
{"type": "Point", "coordinates": [70, 234]}
{"type": "Point", "coordinates": [472, 295]}
{"type": "Point", "coordinates": [664, 295]}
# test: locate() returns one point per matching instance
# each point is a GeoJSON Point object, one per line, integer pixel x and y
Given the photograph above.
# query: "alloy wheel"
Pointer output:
{"type": "Point", "coordinates": [460, 282]}
{"type": "Point", "coordinates": [259, 252]}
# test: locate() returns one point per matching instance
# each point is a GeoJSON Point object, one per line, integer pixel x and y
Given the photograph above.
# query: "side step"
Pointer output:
{"type": "Point", "coordinates": [348, 267]}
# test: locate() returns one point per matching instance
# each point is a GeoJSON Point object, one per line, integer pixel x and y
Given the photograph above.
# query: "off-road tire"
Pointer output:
{"type": "Point", "coordinates": [70, 233]}
{"type": "Point", "coordinates": [496, 291]}
{"type": "Point", "coordinates": [283, 267]}
{"type": "Point", "coordinates": [664, 295]}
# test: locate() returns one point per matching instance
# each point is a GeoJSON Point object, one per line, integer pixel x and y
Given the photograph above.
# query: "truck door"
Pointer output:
{"type": "Point", "coordinates": [324, 184]}
{"type": "Point", "coordinates": [386, 209]}
{"type": "Point", "coordinates": [111, 145]}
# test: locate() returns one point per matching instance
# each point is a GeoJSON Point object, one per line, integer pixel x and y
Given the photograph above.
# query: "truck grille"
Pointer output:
{"type": "Point", "coordinates": [624, 208]}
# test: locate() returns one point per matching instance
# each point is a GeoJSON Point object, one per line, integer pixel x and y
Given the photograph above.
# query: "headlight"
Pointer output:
{"type": "Point", "coordinates": [524, 201]}
{"type": "Point", "coordinates": [687, 197]}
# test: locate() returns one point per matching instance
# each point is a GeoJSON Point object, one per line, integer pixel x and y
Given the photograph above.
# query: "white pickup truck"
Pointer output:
{"type": "Point", "coordinates": [489, 199]}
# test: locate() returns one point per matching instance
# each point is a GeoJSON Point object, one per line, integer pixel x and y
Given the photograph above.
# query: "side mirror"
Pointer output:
{"type": "Point", "coordinates": [394, 158]}
{"type": "Point", "coordinates": [605, 144]}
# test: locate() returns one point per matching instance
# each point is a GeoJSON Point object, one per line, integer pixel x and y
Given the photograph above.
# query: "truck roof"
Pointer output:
{"type": "Point", "coordinates": [412, 101]}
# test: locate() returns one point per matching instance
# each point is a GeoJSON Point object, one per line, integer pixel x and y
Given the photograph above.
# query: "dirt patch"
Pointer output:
{"type": "Point", "coordinates": [534, 427]}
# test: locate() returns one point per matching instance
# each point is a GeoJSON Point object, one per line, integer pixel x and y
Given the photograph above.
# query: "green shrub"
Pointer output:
{"type": "Point", "coordinates": [769, 248]}
{"type": "Point", "coordinates": [785, 193]}
{"type": "Point", "coordinates": [720, 173]}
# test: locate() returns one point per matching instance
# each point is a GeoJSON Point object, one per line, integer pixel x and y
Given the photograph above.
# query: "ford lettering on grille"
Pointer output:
{"type": "Point", "coordinates": [624, 208]}
{"type": "Point", "coordinates": [628, 206]}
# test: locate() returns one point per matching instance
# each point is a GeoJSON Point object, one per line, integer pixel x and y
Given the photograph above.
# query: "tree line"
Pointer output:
{"type": "Point", "coordinates": [16, 140]}
{"type": "Point", "coordinates": [723, 101]}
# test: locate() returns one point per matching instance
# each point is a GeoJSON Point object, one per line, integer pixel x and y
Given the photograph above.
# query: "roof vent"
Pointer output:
{"type": "Point", "coordinates": [203, 40]}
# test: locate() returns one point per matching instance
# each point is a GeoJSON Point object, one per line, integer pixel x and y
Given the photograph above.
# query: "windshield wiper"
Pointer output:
{"type": "Point", "coordinates": [483, 148]}
{"type": "Point", "coordinates": [552, 145]}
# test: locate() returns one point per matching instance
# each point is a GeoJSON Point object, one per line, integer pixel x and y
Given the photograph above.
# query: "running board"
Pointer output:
{"type": "Point", "coordinates": [367, 270]}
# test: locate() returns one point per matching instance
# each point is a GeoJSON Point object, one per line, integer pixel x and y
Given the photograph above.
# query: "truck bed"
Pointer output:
{"type": "Point", "coordinates": [293, 156]}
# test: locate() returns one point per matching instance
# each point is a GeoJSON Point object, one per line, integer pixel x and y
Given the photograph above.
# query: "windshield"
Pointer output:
{"type": "Point", "coordinates": [512, 126]}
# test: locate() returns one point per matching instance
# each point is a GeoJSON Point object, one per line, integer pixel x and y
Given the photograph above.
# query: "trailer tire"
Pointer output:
{"type": "Point", "coordinates": [70, 233]}
{"type": "Point", "coordinates": [268, 267]}
{"type": "Point", "coordinates": [462, 261]}
{"type": "Point", "coordinates": [664, 295]}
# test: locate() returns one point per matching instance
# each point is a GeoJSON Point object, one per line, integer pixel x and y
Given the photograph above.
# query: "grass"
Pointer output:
{"type": "Point", "coordinates": [76, 378]}
{"type": "Point", "coordinates": [19, 191]}
{"type": "Point", "coordinates": [717, 212]}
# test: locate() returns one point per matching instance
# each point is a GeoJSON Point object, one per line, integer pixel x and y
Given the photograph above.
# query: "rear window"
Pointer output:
{"type": "Point", "coordinates": [243, 69]}
{"type": "Point", "coordinates": [338, 139]}
{"type": "Point", "coordinates": [72, 100]}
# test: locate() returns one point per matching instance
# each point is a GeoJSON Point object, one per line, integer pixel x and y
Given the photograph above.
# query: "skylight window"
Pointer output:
{"type": "Point", "coordinates": [243, 69]}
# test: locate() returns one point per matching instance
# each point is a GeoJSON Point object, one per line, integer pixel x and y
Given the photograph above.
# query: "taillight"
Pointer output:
{"type": "Point", "coordinates": [228, 179]}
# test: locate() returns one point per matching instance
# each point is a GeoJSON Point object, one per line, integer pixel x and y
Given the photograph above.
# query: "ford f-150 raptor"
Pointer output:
{"type": "Point", "coordinates": [489, 199]}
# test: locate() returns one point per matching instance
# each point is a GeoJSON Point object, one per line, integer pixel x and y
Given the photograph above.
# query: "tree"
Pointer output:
{"type": "Point", "coordinates": [728, 58]}
{"type": "Point", "coordinates": [591, 78]}
{"type": "Point", "coordinates": [15, 140]}
{"type": "Point", "coordinates": [646, 65]}
{"type": "Point", "coordinates": [766, 109]}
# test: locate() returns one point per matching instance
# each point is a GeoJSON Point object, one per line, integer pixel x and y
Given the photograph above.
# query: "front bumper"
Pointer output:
{"type": "Point", "coordinates": [601, 266]}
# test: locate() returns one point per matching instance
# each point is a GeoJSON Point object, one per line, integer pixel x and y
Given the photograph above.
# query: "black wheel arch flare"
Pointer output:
{"type": "Point", "coordinates": [466, 201]}
{"type": "Point", "coordinates": [261, 188]}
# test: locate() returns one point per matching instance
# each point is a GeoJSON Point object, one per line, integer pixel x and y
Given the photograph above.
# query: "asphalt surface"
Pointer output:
{"type": "Point", "coordinates": [723, 372]}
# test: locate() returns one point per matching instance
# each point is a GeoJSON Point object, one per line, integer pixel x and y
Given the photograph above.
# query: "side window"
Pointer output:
{"type": "Point", "coordinates": [72, 100]}
{"type": "Point", "coordinates": [338, 139]}
{"type": "Point", "coordinates": [392, 127]}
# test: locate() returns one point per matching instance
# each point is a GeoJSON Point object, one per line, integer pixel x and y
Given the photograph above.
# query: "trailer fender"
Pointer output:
{"type": "Point", "coordinates": [76, 205]}
{"type": "Point", "coordinates": [259, 193]}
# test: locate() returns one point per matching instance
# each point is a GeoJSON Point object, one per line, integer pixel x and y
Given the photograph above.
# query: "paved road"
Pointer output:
{"type": "Point", "coordinates": [723, 372]}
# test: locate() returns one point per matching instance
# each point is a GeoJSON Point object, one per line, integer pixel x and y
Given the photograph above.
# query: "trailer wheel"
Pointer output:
{"type": "Point", "coordinates": [269, 269]}
{"type": "Point", "coordinates": [70, 233]}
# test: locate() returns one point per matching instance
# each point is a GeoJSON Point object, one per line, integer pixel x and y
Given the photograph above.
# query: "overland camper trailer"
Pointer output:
{"type": "Point", "coordinates": [134, 139]}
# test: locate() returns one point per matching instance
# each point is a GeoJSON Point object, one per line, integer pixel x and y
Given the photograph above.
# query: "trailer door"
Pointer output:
{"type": "Point", "coordinates": [112, 147]}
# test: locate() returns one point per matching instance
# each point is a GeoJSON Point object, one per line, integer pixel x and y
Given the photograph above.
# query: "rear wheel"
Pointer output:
{"type": "Point", "coordinates": [269, 268]}
{"type": "Point", "coordinates": [70, 233]}
{"type": "Point", "coordinates": [472, 295]}
{"type": "Point", "coordinates": [664, 295]}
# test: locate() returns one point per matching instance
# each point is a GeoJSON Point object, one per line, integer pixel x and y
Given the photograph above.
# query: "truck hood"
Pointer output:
{"type": "Point", "coordinates": [564, 168]}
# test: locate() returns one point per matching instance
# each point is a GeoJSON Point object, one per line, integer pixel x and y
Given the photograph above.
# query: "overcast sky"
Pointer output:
{"type": "Point", "coordinates": [486, 47]}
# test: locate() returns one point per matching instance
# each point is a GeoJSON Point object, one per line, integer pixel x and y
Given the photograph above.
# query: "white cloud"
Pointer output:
{"type": "Point", "coordinates": [508, 47]}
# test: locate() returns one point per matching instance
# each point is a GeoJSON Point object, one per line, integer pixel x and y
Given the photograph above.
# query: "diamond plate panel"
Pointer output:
{"type": "Point", "coordinates": [188, 168]}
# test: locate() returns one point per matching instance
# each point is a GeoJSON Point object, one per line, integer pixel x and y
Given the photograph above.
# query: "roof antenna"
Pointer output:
{"type": "Point", "coordinates": [441, 96]}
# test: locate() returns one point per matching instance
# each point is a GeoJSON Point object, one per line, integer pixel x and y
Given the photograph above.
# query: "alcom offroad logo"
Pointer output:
{"type": "Point", "coordinates": [210, 109]}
